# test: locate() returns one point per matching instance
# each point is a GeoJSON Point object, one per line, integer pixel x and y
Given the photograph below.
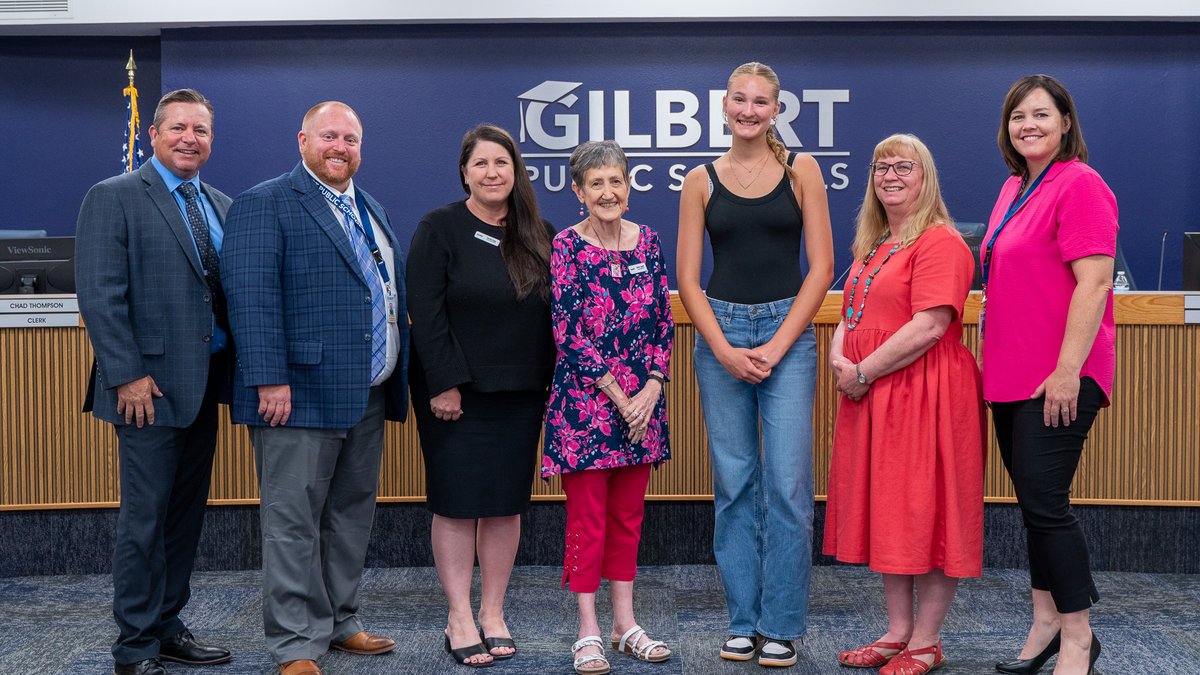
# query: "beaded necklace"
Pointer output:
{"type": "Point", "coordinates": [853, 318]}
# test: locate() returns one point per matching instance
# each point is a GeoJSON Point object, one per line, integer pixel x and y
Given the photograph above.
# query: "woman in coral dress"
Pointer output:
{"type": "Point", "coordinates": [906, 480]}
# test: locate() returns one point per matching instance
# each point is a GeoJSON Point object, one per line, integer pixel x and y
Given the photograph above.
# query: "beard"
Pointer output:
{"type": "Point", "coordinates": [335, 174]}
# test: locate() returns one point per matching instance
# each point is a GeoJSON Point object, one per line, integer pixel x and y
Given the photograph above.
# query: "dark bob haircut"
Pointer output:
{"type": "Point", "coordinates": [1072, 147]}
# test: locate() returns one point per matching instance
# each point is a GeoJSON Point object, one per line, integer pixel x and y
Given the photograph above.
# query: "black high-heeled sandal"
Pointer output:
{"type": "Point", "coordinates": [463, 653]}
{"type": "Point", "coordinates": [1033, 665]}
{"type": "Point", "coordinates": [1093, 655]}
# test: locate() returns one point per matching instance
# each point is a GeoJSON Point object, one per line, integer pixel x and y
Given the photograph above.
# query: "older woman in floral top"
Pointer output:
{"type": "Point", "coordinates": [606, 421]}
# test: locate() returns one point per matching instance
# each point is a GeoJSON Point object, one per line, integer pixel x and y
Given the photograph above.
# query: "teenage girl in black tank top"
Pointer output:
{"type": "Point", "coordinates": [757, 213]}
{"type": "Point", "coordinates": [761, 208]}
{"type": "Point", "coordinates": [755, 242]}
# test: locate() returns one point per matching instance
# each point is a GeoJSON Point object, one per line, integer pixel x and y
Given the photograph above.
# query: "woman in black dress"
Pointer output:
{"type": "Point", "coordinates": [478, 293]}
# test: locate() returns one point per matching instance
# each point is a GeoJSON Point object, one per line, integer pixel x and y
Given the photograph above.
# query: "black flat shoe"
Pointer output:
{"type": "Point", "coordinates": [462, 654]}
{"type": "Point", "coordinates": [1027, 666]}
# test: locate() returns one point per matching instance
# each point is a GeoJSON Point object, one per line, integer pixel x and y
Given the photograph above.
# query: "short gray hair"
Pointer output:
{"type": "Point", "coordinates": [594, 155]}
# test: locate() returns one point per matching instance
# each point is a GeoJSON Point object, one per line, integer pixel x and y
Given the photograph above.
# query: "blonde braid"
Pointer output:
{"type": "Point", "coordinates": [781, 153]}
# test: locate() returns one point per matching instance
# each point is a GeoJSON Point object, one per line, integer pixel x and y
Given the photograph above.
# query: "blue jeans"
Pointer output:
{"type": "Point", "coordinates": [762, 483]}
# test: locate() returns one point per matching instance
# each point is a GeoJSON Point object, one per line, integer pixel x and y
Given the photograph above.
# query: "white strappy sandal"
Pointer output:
{"type": "Point", "coordinates": [628, 644]}
{"type": "Point", "coordinates": [590, 641]}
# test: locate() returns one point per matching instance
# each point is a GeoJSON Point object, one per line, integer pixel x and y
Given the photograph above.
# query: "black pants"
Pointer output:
{"type": "Point", "coordinates": [1041, 461]}
{"type": "Point", "coordinates": [165, 476]}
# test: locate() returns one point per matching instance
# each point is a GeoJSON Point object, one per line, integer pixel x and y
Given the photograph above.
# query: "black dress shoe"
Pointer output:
{"type": "Point", "coordinates": [183, 648]}
{"type": "Point", "coordinates": [143, 667]}
{"type": "Point", "coordinates": [1026, 666]}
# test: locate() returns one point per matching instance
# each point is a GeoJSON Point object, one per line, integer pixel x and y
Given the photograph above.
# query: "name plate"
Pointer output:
{"type": "Point", "coordinates": [48, 320]}
{"type": "Point", "coordinates": [34, 303]}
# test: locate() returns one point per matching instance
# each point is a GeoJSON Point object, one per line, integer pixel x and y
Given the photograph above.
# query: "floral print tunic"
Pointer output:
{"type": "Point", "coordinates": [601, 324]}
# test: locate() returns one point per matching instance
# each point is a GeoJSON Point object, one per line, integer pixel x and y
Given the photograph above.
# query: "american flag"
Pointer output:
{"type": "Point", "coordinates": [132, 149]}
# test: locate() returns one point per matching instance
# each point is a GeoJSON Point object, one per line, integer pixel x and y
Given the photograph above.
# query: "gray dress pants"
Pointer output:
{"type": "Point", "coordinates": [317, 490]}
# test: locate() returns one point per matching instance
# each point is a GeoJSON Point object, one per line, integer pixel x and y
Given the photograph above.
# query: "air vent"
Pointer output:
{"type": "Point", "coordinates": [34, 9]}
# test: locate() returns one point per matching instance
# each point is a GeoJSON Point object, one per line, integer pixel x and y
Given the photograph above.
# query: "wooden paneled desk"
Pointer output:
{"type": "Point", "coordinates": [1144, 450]}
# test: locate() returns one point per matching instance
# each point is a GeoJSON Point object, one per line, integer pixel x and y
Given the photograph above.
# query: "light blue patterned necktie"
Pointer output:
{"type": "Point", "coordinates": [378, 303]}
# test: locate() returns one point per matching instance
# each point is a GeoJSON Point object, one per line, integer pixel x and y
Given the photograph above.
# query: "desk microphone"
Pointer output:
{"type": "Point", "coordinates": [842, 275]}
{"type": "Point", "coordinates": [1162, 255]}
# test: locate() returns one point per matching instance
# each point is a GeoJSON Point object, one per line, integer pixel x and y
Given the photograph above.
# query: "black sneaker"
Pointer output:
{"type": "Point", "coordinates": [739, 648]}
{"type": "Point", "coordinates": [777, 658]}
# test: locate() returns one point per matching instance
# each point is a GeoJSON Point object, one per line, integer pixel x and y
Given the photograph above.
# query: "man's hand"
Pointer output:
{"type": "Point", "coordinates": [135, 400]}
{"type": "Point", "coordinates": [275, 403]}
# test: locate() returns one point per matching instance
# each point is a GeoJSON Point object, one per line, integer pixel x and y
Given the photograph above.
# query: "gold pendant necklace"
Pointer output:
{"type": "Point", "coordinates": [753, 174]}
{"type": "Point", "coordinates": [614, 257]}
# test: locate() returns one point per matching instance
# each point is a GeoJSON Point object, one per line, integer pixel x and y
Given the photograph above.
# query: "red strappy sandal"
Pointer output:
{"type": "Point", "coordinates": [868, 656]}
{"type": "Point", "coordinates": [904, 663]}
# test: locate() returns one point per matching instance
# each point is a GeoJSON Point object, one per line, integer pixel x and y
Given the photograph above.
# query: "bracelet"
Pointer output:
{"type": "Point", "coordinates": [656, 376]}
{"type": "Point", "coordinates": [606, 385]}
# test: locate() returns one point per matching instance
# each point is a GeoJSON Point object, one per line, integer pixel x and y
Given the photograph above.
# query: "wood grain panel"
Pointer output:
{"type": "Point", "coordinates": [1145, 449]}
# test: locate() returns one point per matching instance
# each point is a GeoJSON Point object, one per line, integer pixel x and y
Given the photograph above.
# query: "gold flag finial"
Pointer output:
{"type": "Point", "coordinates": [130, 66]}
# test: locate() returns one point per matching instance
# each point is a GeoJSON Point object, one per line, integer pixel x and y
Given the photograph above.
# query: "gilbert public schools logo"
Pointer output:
{"type": "Point", "coordinates": [551, 121]}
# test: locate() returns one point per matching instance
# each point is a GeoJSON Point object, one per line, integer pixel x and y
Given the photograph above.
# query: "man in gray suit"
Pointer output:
{"type": "Point", "coordinates": [150, 293]}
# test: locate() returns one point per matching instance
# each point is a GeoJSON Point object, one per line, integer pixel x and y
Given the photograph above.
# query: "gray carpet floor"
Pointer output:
{"type": "Point", "coordinates": [1148, 623]}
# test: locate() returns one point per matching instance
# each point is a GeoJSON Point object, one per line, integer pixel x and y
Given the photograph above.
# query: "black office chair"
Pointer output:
{"type": "Point", "coordinates": [972, 233]}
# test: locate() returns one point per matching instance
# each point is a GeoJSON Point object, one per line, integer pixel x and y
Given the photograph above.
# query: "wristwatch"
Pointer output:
{"type": "Point", "coordinates": [862, 379]}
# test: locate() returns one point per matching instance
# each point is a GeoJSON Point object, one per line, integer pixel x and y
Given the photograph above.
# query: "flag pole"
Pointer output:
{"type": "Point", "coordinates": [131, 159]}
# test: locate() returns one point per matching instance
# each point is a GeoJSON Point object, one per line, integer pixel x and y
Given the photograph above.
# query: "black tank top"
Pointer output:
{"type": "Point", "coordinates": [755, 243]}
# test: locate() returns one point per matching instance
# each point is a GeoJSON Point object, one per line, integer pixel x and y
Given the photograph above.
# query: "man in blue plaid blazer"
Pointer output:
{"type": "Point", "coordinates": [315, 282]}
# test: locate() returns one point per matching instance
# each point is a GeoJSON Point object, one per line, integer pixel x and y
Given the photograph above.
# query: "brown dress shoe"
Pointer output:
{"type": "Point", "coordinates": [301, 667]}
{"type": "Point", "coordinates": [366, 644]}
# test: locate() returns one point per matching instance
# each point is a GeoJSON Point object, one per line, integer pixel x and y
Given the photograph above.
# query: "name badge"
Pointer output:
{"type": "Point", "coordinates": [390, 299]}
{"type": "Point", "coordinates": [638, 268]}
{"type": "Point", "coordinates": [486, 238]}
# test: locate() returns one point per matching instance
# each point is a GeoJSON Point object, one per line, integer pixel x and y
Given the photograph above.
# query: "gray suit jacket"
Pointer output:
{"type": "Point", "coordinates": [143, 296]}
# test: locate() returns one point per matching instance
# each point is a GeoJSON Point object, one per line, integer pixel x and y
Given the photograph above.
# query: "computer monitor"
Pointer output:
{"type": "Point", "coordinates": [37, 265]}
{"type": "Point", "coordinates": [972, 233]}
{"type": "Point", "coordinates": [1191, 261]}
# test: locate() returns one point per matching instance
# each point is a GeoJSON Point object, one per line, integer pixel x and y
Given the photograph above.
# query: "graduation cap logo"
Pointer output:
{"type": "Point", "coordinates": [535, 101]}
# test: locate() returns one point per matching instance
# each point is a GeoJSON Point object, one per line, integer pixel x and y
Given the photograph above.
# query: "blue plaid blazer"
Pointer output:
{"type": "Point", "coordinates": [296, 306]}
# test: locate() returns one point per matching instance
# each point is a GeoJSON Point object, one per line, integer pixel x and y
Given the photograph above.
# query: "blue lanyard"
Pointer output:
{"type": "Point", "coordinates": [358, 220]}
{"type": "Point", "coordinates": [1016, 205]}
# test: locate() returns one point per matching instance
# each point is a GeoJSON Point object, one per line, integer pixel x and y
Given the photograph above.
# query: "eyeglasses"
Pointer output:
{"type": "Point", "coordinates": [901, 168]}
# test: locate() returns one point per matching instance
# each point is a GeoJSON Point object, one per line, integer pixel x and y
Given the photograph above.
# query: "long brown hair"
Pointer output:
{"type": "Point", "coordinates": [929, 211]}
{"type": "Point", "coordinates": [765, 72]}
{"type": "Point", "coordinates": [1072, 146]}
{"type": "Point", "coordinates": [526, 245]}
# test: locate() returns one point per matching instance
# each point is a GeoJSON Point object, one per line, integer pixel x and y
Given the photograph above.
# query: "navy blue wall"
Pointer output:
{"type": "Point", "coordinates": [418, 88]}
{"type": "Point", "coordinates": [63, 117]}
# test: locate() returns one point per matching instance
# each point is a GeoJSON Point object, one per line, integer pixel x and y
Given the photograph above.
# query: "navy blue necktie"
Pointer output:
{"type": "Point", "coordinates": [208, 253]}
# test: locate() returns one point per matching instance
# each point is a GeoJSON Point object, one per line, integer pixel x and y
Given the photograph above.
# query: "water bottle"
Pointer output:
{"type": "Point", "coordinates": [1120, 284]}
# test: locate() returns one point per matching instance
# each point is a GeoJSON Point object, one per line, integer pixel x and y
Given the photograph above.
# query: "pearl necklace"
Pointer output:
{"type": "Point", "coordinates": [854, 318]}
